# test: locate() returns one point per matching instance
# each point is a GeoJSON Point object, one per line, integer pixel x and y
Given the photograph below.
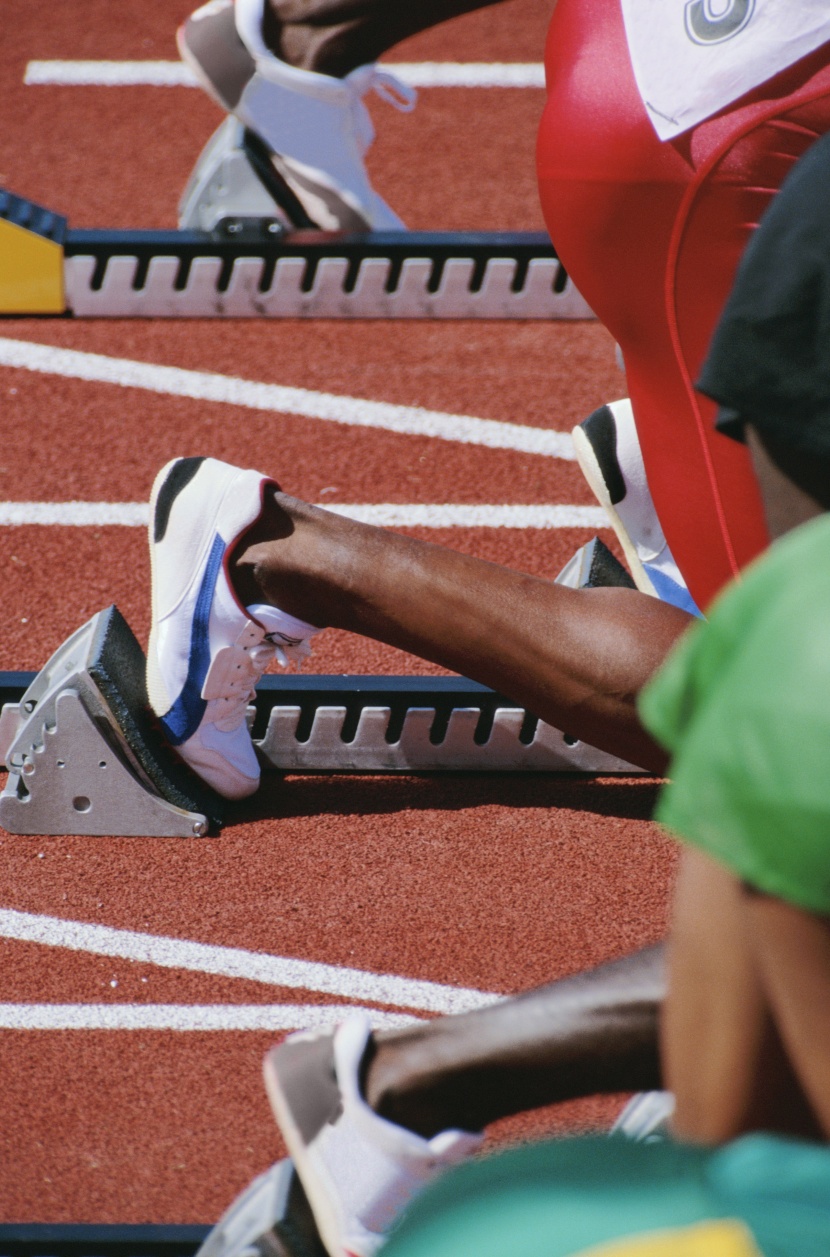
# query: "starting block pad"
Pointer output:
{"type": "Point", "coordinates": [85, 754]}
{"type": "Point", "coordinates": [251, 268]}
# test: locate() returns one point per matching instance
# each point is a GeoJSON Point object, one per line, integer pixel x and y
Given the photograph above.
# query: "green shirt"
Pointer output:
{"type": "Point", "coordinates": [758, 1197]}
{"type": "Point", "coordinates": [743, 705]}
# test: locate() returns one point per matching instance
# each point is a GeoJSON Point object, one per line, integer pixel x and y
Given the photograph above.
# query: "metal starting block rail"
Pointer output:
{"type": "Point", "coordinates": [249, 268]}
{"type": "Point", "coordinates": [45, 1239]}
{"type": "Point", "coordinates": [270, 1218]}
{"type": "Point", "coordinates": [86, 756]}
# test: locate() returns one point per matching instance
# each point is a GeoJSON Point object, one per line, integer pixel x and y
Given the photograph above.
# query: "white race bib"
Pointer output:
{"type": "Point", "coordinates": [693, 57]}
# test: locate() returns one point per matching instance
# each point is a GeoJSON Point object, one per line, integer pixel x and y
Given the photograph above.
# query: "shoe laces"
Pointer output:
{"type": "Point", "coordinates": [230, 685]}
{"type": "Point", "coordinates": [370, 78]}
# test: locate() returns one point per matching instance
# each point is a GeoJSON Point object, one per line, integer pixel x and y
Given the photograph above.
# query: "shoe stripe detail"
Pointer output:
{"type": "Point", "coordinates": [601, 431]}
{"type": "Point", "coordinates": [280, 191]}
{"type": "Point", "coordinates": [185, 716]}
{"type": "Point", "coordinates": [668, 590]}
{"type": "Point", "coordinates": [180, 475]}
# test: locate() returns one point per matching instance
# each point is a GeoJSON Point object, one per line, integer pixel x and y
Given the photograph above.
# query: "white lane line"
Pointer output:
{"type": "Point", "coordinates": [74, 514]}
{"type": "Point", "coordinates": [109, 74]}
{"type": "Point", "coordinates": [382, 514]}
{"type": "Point", "coordinates": [175, 74]}
{"type": "Point", "coordinates": [460, 515]}
{"type": "Point", "coordinates": [194, 1017]}
{"type": "Point", "coordinates": [353, 411]}
{"type": "Point", "coordinates": [469, 73]}
{"type": "Point", "coordinates": [234, 962]}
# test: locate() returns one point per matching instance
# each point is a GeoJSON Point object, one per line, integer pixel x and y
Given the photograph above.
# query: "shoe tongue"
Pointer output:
{"type": "Point", "coordinates": [275, 621]}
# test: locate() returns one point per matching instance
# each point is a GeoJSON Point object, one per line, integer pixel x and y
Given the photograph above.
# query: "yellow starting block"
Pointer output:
{"type": "Point", "coordinates": [31, 257]}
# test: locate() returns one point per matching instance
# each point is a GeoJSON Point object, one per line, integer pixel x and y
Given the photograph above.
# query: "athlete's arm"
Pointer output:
{"type": "Point", "coordinates": [793, 951]}
{"type": "Point", "coordinates": [742, 1026]}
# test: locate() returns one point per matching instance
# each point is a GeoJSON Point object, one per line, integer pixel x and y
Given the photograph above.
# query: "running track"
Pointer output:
{"type": "Point", "coordinates": [489, 885]}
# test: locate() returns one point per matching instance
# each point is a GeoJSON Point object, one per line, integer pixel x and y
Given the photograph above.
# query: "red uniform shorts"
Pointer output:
{"type": "Point", "coordinates": [651, 234]}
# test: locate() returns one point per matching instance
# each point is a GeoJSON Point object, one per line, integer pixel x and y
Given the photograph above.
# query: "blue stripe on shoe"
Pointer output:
{"type": "Point", "coordinates": [185, 716]}
{"type": "Point", "coordinates": [669, 590]}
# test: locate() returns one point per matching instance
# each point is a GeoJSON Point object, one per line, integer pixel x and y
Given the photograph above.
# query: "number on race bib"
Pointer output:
{"type": "Point", "coordinates": [705, 26]}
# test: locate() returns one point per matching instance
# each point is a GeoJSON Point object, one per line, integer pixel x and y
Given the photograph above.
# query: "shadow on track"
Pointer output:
{"type": "Point", "coordinates": [626, 798]}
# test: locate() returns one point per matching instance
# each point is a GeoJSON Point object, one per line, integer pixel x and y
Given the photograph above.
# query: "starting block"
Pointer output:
{"type": "Point", "coordinates": [270, 1218]}
{"type": "Point", "coordinates": [85, 755]}
{"type": "Point", "coordinates": [31, 257]}
{"type": "Point", "coordinates": [250, 266]}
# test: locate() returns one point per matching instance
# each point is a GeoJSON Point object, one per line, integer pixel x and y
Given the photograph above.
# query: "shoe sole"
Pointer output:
{"type": "Point", "coordinates": [196, 69]}
{"type": "Point", "coordinates": [275, 180]}
{"type": "Point", "coordinates": [309, 1175]}
{"type": "Point", "coordinates": [591, 470]}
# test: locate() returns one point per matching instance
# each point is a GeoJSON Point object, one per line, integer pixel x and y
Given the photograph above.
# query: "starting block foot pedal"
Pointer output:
{"type": "Point", "coordinates": [594, 567]}
{"type": "Point", "coordinates": [270, 1218]}
{"type": "Point", "coordinates": [83, 752]}
{"type": "Point", "coordinates": [225, 192]}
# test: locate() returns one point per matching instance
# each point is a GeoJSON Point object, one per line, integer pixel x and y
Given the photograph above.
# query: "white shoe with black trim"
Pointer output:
{"type": "Point", "coordinates": [358, 1171]}
{"type": "Point", "coordinates": [207, 651]}
{"type": "Point", "coordinates": [608, 451]}
{"type": "Point", "coordinates": [315, 126]}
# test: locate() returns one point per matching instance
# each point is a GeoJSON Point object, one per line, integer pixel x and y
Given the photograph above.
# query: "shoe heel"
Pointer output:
{"type": "Point", "coordinates": [594, 472]}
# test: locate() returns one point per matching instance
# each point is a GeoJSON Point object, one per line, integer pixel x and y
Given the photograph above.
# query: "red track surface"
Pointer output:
{"type": "Point", "coordinates": [497, 883]}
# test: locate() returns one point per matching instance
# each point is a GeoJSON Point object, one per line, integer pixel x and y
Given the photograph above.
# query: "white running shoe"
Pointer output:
{"type": "Point", "coordinates": [646, 1118]}
{"type": "Point", "coordinates": [206, 651]}
{"type": "Point", "coordinates": [608, 451]}
{"type": "Point", "coordinates": [358, 1170]}
{"type": "Point", "coordinates": [316, 127]}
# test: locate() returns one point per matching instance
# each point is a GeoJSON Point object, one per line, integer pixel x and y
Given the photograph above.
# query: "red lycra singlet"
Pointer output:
{"type": "Point", "coordinates": [652, 233]}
